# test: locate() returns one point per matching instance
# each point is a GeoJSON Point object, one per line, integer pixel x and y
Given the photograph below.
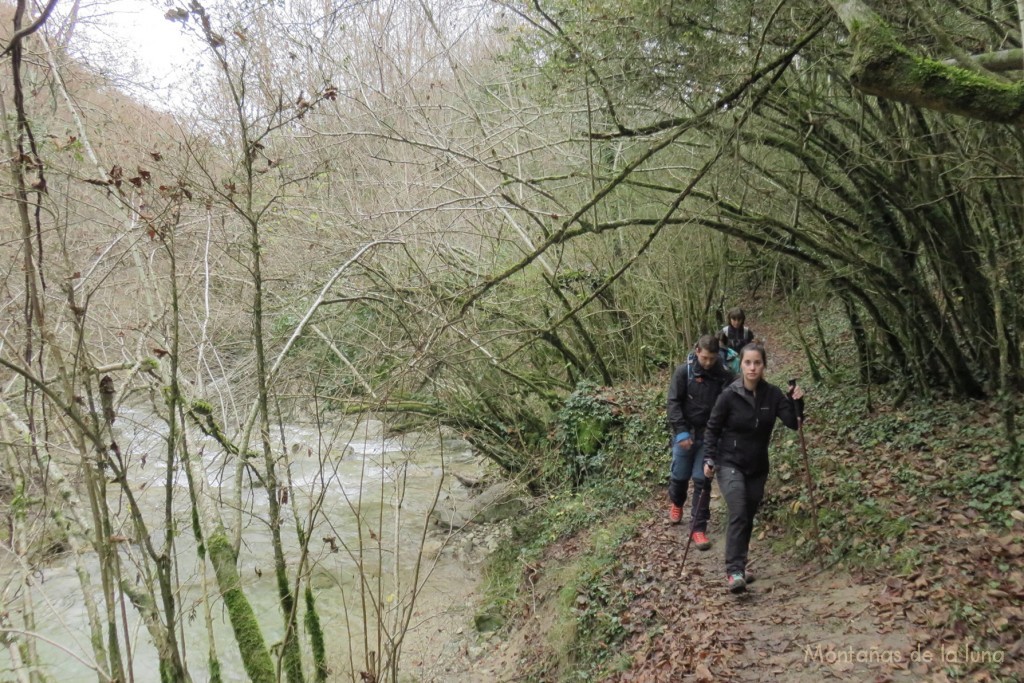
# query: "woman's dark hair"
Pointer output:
{"type": "Point", "coordinates": [754, 347]}
{"type": "Point", "coordinates": [738, 314]}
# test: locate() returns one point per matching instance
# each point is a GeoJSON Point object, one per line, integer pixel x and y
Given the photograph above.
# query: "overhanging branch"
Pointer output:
{"type": "Point", "coordinates": [999, 62]}
{"type": "Point", "coordinates": [886, 68]}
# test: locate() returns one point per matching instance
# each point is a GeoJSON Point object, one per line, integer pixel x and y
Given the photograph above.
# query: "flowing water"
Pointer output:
{"type": "Point", "coordinates": [373, 495]}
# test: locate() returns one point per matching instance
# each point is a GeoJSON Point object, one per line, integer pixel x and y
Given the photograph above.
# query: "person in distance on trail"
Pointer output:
{"type": "Point", "coordinates": [738, 334]}
{"type": "Point", "coordinates": [736, 448]}
{"type": "Point", "coordinates": [692, 393]}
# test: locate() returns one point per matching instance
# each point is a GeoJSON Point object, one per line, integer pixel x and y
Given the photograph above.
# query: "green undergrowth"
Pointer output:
{"type": "Point", "coordinates": [589, 606]}
{"type": "Point", "coordinates": [879, 473]}
{"type": "Point", "coordinates": [582, 605]}
{"type": "Point", "coordinates": [613, 445]}
{"type": "Point", "coordinates": [922, 495]}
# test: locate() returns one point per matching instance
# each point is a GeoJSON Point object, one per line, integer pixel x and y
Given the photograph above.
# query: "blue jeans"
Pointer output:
{"type": "Point", "coordinates": [687, 464]}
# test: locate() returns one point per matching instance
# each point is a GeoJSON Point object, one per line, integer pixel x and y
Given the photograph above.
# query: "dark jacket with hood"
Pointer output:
{"type": "Point", "coordinates": [692, 394]}
{"type": "Point", "coordinates": [738, 337]}
{"type": "Point", "coordinates": [741, 425]}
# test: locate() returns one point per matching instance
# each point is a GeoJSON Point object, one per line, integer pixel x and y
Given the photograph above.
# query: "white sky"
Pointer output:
{"type": "Point", "coordinates": [143, 52]}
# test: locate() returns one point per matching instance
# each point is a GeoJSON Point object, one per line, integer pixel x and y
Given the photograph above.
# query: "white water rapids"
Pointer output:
{"type": "Point", "coordinates": [374, 494]}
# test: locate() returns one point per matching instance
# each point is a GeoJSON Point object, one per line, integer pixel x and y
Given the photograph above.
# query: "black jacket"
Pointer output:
{"type": "Point", "coordinates": [741, 425]}
{"type": "Point", "coordinates": [692, 394]}
{"type": "Point", "coordinates": [738, 337]}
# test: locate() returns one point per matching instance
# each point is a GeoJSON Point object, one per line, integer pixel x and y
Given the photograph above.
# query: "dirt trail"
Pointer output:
{"type": "Point", "coordinates": [794, 623]}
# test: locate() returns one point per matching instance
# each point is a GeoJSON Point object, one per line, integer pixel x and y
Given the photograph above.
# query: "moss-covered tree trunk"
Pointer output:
{"type": "Point", "coordinates": [255, 655]}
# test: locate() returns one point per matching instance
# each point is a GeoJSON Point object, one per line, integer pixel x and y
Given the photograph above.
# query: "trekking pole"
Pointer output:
{"type": "Point", "coordinates": [693, 522]}
{"type": "Point", "coordinates": [807, 470]}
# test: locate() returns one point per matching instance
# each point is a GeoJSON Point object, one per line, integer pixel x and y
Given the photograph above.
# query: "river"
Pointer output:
{"type": "Point", "coordinates": [374, 494]}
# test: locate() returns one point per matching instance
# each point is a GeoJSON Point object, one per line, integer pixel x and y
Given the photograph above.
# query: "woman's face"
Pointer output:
{"type": "Point", "coordinates": [752, 366]}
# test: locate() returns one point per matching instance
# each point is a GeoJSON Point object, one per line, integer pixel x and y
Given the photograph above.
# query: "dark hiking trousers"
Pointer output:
{"type": "Point", "coordinates": [742, 495]}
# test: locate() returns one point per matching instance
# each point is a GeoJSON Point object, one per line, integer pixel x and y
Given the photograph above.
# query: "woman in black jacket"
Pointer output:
{"type": "Point", "coordinates": [736, 445]}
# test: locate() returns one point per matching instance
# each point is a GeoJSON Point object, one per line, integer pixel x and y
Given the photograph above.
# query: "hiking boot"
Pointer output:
{"type": "Point", "coordinates": [736, 582]}
{"type": "Point", "coordinates": [700, 540]}
{"type": "Point", "coordinates": [675, 513]}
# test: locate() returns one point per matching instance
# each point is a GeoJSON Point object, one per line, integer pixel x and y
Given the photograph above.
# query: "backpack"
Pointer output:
{"type": "Point", "coordinates": [730, 359]}
{"type": "Point", "coordinates": [746, 336]}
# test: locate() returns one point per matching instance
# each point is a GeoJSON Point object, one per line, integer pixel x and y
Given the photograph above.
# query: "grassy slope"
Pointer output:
{"type": "Point", "coordinates": [915, 497]}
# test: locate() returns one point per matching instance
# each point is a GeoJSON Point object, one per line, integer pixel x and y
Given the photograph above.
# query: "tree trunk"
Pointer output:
{"type": "Point", "coordinates": [255, 656]}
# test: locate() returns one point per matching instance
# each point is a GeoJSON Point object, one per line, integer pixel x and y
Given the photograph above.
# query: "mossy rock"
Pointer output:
{"type": "Point", "coordinates": [485, 622]}
{"type": "Point", "coordinates": [590, 434]}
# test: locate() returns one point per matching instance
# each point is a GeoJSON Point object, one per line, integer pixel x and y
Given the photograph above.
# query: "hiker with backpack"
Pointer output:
{"type": "Point", "coordinates": [692, 393]}
{"type": "Point", "coordinates": [736, 449]}
{"type": "Point", "coordinates": [737, 333]}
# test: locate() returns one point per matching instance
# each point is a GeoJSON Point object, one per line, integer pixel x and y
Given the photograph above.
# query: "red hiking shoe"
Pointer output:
{"type": "Point", "coordinates": [700, 540]}
{"type": "Point", "coordinates": [737, 584]}
{"type": "Point", "coordinates": [675, 513]}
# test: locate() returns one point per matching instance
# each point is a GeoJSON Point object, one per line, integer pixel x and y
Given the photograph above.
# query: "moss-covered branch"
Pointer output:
{"type": "Point", "coordinates": [883, 66]}
{"type": "Point", "coordinates": [201, 413]}
{"type": "Point", "coordinates": [255, 655]}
